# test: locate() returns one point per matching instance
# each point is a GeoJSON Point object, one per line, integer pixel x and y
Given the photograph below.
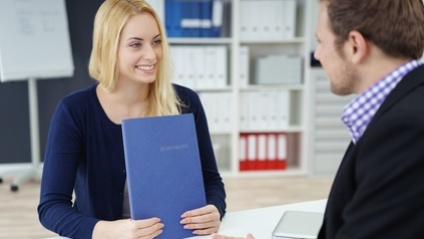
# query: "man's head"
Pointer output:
{"type": "Point", "coordinates": [395, 26]}
{"type": "Point", "coordinates": [356, 33]}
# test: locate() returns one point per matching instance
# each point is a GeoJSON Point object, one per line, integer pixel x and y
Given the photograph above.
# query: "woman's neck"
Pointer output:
{"type": "Point", "coordinates": [124, 103]}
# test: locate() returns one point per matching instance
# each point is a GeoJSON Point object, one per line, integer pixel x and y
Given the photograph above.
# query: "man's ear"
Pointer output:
{"type": "Point", "coordinates": [358, 47]}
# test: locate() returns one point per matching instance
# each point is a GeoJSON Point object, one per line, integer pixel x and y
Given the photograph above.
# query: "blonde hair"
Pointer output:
{"type": "Point", "coordinates": [109, 21]}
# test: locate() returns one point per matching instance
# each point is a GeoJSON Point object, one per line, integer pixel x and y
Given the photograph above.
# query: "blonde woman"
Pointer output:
{"type": "Point", "coordinates": [84, 153]}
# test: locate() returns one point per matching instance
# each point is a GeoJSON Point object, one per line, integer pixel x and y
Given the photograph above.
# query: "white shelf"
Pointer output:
{"type": "Point", "coordinates": [296, 40]}
{"type": "Point", "coordinates": [220, 89]}
{"type": "Point", "coordinates": [291, 129]}
{"type": "Point", "coordinates": [199, 40]}
{"type": "Point", "coordinates": [298, 133]}
{"type": "Point", "coordinates": [264, 173]}
{"type": "Point", "coordinates": [272, 86]}
{"type": "Point", "coordinates": [220, 133]}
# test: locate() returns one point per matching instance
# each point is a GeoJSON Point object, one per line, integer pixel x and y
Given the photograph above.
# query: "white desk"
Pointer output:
{"type": "Point", "coordinates": [260, 222]}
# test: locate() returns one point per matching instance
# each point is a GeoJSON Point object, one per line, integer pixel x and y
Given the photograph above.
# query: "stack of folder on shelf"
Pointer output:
{"type": "Point", "coordinates": [265, 110]}
{"type": "Point", "coordinates": [244, 64]}
{"type": "Point", "coordinates": [219, 120]}
{"type": "Point", "coordinates": [278, 23]}
{"type": "Point", "coordinates": [206, 67]}
{"type": "Point", "coordinates": [263, 151]}
{"type": "Point", "coordinates": [194, 18]}
{"type": "Point", "coordinates": [201, 67]}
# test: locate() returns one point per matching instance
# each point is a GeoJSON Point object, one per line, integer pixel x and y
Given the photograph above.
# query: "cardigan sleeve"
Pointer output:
{"type": "Point", "coordinates": [63, 152]}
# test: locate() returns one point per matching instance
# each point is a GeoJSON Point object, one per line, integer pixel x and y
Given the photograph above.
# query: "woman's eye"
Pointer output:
{"type": "Point", "coordinates": [135, 45]}
{"type": "Point", "coordinates": [157, 42]}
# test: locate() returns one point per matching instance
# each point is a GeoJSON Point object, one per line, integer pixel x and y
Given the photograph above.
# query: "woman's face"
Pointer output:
{"type": "Point", "coordinates": [139, 50]}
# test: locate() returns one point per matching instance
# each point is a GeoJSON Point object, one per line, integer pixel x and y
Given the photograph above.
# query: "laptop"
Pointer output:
{"type": "Point", "coordinates": [298, 225]}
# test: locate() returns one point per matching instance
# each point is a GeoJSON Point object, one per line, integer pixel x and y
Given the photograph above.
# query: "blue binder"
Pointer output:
{"type": "Point", "coordinates": [190, 13]}
{"type": "Point", "coordinates": [206, 18]}
{"type": "Point", "coordinates": [217, 17]}
{"type": "Point", "coordinates": [164, 173]}
{"type": "Point", "coordinates": [173, 17]}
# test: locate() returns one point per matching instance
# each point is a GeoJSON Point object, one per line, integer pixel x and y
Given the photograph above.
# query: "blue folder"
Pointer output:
{"type": "Point", "coordinates": [173, 17]}
{"type": "Point", "coordinates": [191, 12]}
{"type": "Point", "coordinates": [217, 18]}
{"type": "Point", "coordinates": [164, 173]}
{"type": "Point", "coordinates": [206, 18]}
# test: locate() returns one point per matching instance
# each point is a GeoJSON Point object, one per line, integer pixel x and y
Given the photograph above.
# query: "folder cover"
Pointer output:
{"type": "Point", "coordinates": [164, 172]}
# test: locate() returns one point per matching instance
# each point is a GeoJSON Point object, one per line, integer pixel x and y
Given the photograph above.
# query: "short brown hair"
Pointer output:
{"type": "Point", "coordinates": [395, 26]}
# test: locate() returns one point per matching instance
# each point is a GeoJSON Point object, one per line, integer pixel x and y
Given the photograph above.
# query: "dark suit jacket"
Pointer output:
{"type": "Point", "coordinates": [378, 191]}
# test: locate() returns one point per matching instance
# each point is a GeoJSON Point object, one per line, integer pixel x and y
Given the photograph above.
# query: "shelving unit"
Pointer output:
{"type": "Point", "coordinates": [227, 142]}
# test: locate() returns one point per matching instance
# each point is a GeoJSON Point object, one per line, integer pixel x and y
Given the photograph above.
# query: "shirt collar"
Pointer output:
{"type": "Point", "coordinates": [360, 110]}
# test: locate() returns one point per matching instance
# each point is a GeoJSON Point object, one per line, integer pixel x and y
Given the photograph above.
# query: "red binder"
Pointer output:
{"type": "Point", "coordinates": [282, 151]}
{"type": "Point", "coordinates": [243, 152]}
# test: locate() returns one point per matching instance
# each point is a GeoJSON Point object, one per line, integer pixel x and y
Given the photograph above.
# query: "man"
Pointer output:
{"type": "Point", "coordinates": [370, 48]}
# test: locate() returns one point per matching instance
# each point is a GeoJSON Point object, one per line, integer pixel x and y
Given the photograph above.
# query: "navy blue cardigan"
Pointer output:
{"type": "Point", "coordinates": [84, 152]}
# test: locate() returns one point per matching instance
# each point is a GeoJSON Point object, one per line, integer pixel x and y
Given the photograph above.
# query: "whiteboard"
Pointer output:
{"type": "Point", "coordinates": [34, 40]}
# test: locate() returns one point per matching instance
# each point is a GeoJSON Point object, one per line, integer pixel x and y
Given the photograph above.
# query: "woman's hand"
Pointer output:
{"type": "Point", "coordinates": [128, 229]}
{"type": "Point", "coordinates": [204, 220]}
{"type": "Point", "coordinates": [217, 236]}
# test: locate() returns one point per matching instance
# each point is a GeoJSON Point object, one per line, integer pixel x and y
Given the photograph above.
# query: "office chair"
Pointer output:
{"type": "Point", "coordinates": [22, 175]}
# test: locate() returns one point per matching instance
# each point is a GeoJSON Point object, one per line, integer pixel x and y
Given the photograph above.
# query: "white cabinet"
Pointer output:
{"type": "Point", "coordinates": [263, 103]}
{"type": "Point", "coordinates": [329, 137]}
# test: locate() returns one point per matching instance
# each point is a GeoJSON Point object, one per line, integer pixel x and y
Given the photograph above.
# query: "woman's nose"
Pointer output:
{"type": "Point", "coordinates": [148, 52]}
